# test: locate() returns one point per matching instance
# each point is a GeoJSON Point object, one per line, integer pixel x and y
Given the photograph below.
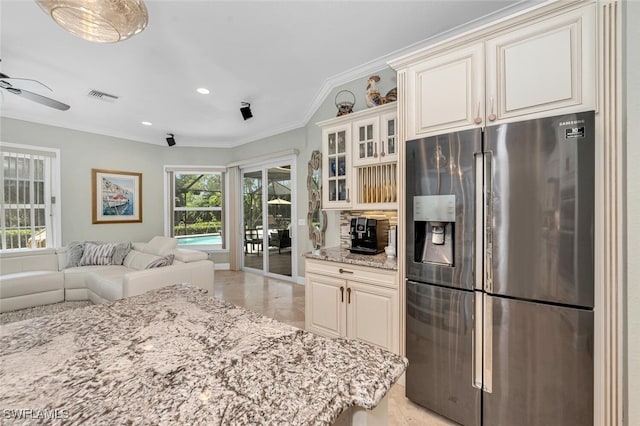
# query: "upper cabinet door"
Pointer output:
{"type": "Point", "coordinates": [446, 92]}
{"type": "Point", "coordinates": [336, 167]}
{"type": "Point", "coordinates": [388, 137]}
{"type": "Point", "coordinates": [374, 140]}
{"type": "Point", "coordinates": [547, 66]}
{"type": "Point", "coordinates": [366, 141]}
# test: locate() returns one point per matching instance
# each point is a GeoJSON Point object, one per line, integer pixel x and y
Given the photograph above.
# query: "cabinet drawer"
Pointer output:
{"type": "Point", "coordinates": [363, 274]}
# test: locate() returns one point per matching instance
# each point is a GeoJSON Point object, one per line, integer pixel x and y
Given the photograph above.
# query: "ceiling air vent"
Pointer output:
{"type": "Point", "coordinates": [102, 96]}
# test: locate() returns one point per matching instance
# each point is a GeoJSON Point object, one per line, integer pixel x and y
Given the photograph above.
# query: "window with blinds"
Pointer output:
{"type": "Point", "coordinates": [26, 212]}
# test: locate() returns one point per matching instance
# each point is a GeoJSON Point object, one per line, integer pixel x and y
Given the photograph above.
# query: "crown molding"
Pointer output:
{"type": "Point", "coordinates": [382, 62]}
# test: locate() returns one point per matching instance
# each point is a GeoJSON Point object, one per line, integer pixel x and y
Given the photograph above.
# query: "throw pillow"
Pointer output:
{"type": "Point", "coordinates": [95, 254]}
{"type": "Point", "coordinates": [120, 253]}
{"type": "Point", "coordinates": [159, 263]}
{"type": "Point", "coordinates": [74, 254]}
{"type": "Point", "coordinates": [138, 260]}
{"type": "Point", "coordinates": [160, 246]}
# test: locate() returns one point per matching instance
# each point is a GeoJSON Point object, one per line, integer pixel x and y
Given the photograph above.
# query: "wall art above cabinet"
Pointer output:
{"type": "Point", "coordinates": [541, 66]}
{"type": "Point", "coordinates": [359, 159]}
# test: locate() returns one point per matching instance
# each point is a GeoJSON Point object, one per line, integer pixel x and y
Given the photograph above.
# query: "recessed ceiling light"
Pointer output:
{"type": "Point", "coordinates": [147, 123]}
{"type": "Point", "coordinates": [203, 91]}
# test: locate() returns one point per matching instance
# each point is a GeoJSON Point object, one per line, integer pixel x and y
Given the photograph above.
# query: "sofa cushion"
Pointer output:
{"type": "Point", "coordinates": [76, 277]}
{"type": "Point", "coordinates": [21, 283]}
{"type": "Point", "coordinates": [187, 255]}
{"type": "Point", "coordinates": [28, 260]}
{"type": "Point", "coordinates": [160, 246]}
{"type": "Point", "coordinates": [95, 254]}
{"type": "Point", "coordinates": [107, 284]}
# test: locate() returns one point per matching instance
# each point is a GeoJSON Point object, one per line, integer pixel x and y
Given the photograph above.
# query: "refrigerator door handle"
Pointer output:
{"type": "Point", "coordinates": [479, 221]}
{"type": "Point", "coordinates": [488, 223]}
{"type": "Point", "coordinates": [478, 347]}
{"type": "Point", "coordinates": [487, 340]}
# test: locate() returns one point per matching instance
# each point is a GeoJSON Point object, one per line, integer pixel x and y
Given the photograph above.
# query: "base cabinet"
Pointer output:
{"type": "Point", "coordinates": [371, 313]}
{"type": "Point", "coordinates": [343, 301]}
{"type": "Point", "coordinates": [324, 305]}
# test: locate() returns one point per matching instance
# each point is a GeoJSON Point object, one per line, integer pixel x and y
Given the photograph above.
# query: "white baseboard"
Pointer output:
{"type": "Point", "coordinates": [222, 266]}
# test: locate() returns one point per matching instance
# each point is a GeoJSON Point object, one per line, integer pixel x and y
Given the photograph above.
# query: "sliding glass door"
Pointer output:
{"type": "Point", "coordinates": [267, 193]}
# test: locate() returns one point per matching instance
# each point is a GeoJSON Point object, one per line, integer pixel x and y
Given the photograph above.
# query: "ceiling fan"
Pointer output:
{"type": "Point", "coordinates": [24, 87]}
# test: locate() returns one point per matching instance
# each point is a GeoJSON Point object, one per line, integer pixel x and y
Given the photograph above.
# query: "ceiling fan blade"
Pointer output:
{"type": "Point", "coordinates": [39, 98]}
{"type": "Point", "coordinates": [22, 83]}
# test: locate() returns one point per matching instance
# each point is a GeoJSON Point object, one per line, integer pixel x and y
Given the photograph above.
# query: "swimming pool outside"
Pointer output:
{"type": "Point", "coordinates": [196, 240]}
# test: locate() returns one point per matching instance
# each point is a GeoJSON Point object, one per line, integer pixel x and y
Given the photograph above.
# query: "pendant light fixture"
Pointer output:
{"type": "Point", "coordinates": [100, 21]}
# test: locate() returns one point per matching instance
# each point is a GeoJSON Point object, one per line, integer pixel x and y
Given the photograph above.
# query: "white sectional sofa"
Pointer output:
{"type": "Point", "coordinates": [44, 276]}
{"type": "Point", "coordinates": [30, 279]}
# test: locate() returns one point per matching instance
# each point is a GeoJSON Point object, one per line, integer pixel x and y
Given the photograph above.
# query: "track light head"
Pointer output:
{"type": "Point", "coordinates": [170, 139]}
{"type": "Point", "coordinates": [245, 110]}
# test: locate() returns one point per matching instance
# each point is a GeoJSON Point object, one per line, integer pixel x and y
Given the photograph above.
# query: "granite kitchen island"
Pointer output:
{"type": "Point", "coordinates": [178, 356]}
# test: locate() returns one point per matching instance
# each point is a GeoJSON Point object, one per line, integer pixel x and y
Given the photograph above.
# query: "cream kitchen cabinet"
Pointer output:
{"type": "Point", "coordinates": [446, 92]}
{"type": "Point", "coordinates": [546, 67]}
{"type": "Point", "coordinates": [336, 166]}
{"type": "Point", "coordinates": [535, 67]}
{"type": "Point", "coordinates": [374, 137]}
{"type": "Point", "coordinates": [359, 160]}
{"type": "Point", "coordinates": [353, 301]}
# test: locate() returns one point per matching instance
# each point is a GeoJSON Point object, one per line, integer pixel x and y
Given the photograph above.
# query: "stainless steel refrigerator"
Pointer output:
{"type": "Point", "coordinates": [500, 269]}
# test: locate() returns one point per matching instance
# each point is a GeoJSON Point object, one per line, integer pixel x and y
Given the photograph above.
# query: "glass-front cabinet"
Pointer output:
{"type": "Point", "coordinates": [374, 139]}
{"type": "Point", "coordinates": [359, 157]}
{"type": "Point", "coordinates": [366, 141]}
{"type": "Point", "coordinates": [336, 167]}
{"type": "Point", "coordinates": [389, 135]}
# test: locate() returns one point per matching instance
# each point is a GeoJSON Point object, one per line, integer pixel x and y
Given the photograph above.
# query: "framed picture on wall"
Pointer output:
{"type": "Point", "coordinates": [116, 196]}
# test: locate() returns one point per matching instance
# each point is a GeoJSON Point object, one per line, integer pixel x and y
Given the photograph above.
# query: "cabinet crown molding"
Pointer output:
{"type": "Point", "coordinates": [536, 13]}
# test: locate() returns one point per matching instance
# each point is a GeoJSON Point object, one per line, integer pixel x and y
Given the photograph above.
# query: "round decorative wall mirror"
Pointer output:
{"type": "Point", "coordinates": [316, 218]}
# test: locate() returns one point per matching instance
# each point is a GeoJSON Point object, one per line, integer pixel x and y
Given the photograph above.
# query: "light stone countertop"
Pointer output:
{"type": "Point", "coordinates": [341, 255]}
{"type": "Point", "coordinates": [179, 356]}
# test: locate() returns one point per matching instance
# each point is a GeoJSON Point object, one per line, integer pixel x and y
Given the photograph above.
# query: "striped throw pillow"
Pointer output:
{"type": "Point", "coordinates": [97, 254]}
{"type": "Point", "coordinates": [159, 263]}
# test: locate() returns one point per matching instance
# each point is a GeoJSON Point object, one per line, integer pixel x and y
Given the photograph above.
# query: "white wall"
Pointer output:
{"type": "Point", "coordinates": [633, 210]}
{"type": "Point", "coordinates": [80, 152]}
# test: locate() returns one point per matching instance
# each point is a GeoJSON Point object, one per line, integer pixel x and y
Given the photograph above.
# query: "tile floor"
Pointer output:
{"type": "Point", "coordinates": [284, 301]}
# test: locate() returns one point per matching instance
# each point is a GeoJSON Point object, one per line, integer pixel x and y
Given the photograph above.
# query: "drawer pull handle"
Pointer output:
{"type": "Point", "coordinates": [344, 271]}
{"type": "Point", "coordinates": [349, 295]}
{"type": "Point", "coordinates": [341, 294]}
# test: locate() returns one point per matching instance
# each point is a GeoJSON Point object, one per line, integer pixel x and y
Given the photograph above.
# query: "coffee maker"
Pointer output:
{"type": "Point", "coordinates": [368, 236]}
